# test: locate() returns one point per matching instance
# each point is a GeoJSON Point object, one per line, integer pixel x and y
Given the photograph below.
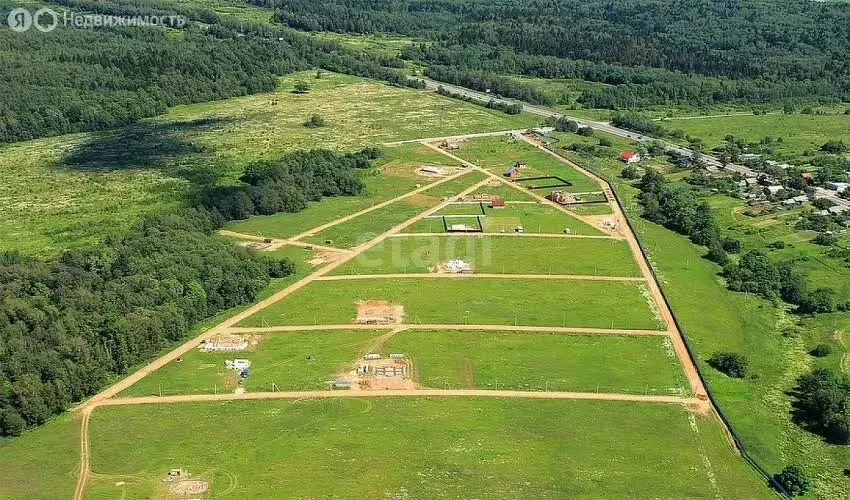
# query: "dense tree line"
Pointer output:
{"type": "Point", "coordinates": [289, 183]}
{"type": "Point", "coordinates": [702, 52]}
{"type": "Point", "coordinates": [68, 325]}
{"type": "Point", "coordinates": [72, 80]}
{"type": "Point", "coordinates": [822, 404]}
{"type": "Point", "coordinates": [505, 107]}
{"type": "Point", "coordinates": [487, 82]}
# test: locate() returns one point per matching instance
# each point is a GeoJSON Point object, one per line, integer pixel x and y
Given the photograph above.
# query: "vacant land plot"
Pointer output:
{"type": "Point", "coordinates": [798, 132]}
{"type": "Point", "coordinates": [394, 175]}
{"type": "Point", "coordinates": [496, 301]}
{"type": "Point", "coordinates": [536, 361]}
{"type": "Point", "coordinates": [361, 229]}
{"type": "Point", "coordinates": [418, 447]}
{"type": "Point", "coordinates": [289, 360]}
{"type": "Point", "coordinates": [69, 190]}
{"type": "Point", "coordinates": [369, 225]}
{"type": "Point", "coordinates": [532, 217]}
{"type": "Point", "coordinates": [498, 153]}
{"type": "Point", "coordinates": [497, 254]}
{"type": "Point", "coordinates": [43, 462]}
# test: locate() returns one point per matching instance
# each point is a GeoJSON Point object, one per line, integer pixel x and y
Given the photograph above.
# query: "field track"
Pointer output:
{"type": "Point", "coordinates": [576, 277]}
{"type": "Point", "coordinates": [604, 396]}
{"type": "Point", "coordinates": [425, 326]}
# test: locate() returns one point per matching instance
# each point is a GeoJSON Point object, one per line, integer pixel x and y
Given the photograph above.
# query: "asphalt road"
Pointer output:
{"type": "Point", "coordinates": [710, 161]}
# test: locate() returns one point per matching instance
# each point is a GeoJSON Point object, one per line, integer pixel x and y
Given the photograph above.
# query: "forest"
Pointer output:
{"type": "Point", "coordinates": [76, 80]}
{"type": "Point", "coordinates": [68, 325]}
{"type": "Point", "coordinates": [697, 52]}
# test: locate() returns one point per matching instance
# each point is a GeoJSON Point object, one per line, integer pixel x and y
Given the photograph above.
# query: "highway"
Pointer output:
{"type": "Point", "coordinates": [713, 163]}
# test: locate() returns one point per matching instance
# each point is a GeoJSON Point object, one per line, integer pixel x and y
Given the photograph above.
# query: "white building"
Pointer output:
{"type": "Point", "coordinates": [237, 364]}
{"type": "Point", "coordinates": [458, 266]}
{"type": "Point", "coordinates": [837, 186]}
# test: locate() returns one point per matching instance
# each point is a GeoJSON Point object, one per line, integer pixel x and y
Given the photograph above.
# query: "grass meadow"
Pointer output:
{"type": "Point", "coordinates": [43, 462]}
{"type": "Point", "coordinates": [485, 301]}
{"type": "Point", "coordinates": [70, 190]}
{"type": "Point", "coordinates": [417, 447]}
{"type": "Point", "coordinates": [291, 361]}
{"type": "Point", "coordinates": [538, 361]}
{"type": "Point", "coordinates": [497, 153]}
{"type": "Point", "coordinates": [799, 132]}
{"type": "Point", "coordinates": [533, 217]}
{"type": "Point", "coordinates": [775, 343]}
{"type": "Point", "coordinates": [496, 254]}
{"type": "Point", "coordinates": [369, 225]}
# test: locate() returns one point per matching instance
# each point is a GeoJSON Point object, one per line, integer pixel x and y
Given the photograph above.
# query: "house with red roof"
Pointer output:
{"type": "Point", "coordinates": [629, 156]}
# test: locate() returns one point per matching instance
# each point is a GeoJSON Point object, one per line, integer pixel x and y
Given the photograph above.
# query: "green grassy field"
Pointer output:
{"type": "Point", "coordinates": [473, 300]}
{"type": "Point", "coordinates": [776, 347]}
{"type": "Point", "coordinates": [289, 360]}
{"type": "Point", "coordinates": [498, 153]}
{"type": "Point", "coordinates": [496, 254]}
{"type": "Point", "coordinates": [533, 217]}
{"type": "Point", "coordinates": [799, 132]}
{"type": "Point", "coordinates": [454, 447]}
{"type": "Point", "coordinates": [369, 225]}
{"type": "Point", "coordinates": [42, 463]}
{"type": "Point", "coordinates": [535, 361]}
{"type": "Point", "coordinates": [394, 175]}
{"type": "Point", "coordinates": [69, 190]}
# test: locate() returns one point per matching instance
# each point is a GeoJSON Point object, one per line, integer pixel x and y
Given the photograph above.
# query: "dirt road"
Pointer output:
{"type": "Point", "coordinates": [383, 204]}
{"type": "Point", "coordinates": [455, 138]}
{"type": "Point", "coordinates": [603, 396]}
{"type": "Point", "coordinates": [439, 326]}
{"type": "Point", "coordinates": [576, 277]}
{"type": "Point", "coordinates": [277, 243]}
{"type": "Point", "coordinates": [528, 192]}
{"type": "Point", "coordinates": [676, 336]}
{"type": "Point", "coordinates": [520, 235]}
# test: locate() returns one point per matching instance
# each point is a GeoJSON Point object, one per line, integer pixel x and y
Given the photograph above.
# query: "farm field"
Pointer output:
{"type": "Point", "coordinates": [497, 153]}
{"type": "Point", "coordinates": [495, 447]}
{"type": "Point", "coordinates": [495, 254]}
{"type": "Point", "coordinates": [537, 361]}
{"type": "Point", "coordinates": [485, 301]}
{"type": "Point", "coordinates": [292, 361]}
{"type": "Point", "coordinates": [68, 191]}
{"type": "Point", "coordinates": [533, 217]}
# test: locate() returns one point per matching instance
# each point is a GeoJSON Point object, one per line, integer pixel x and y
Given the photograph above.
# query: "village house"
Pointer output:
{"type": "Point", "coordinates": [629, 156]}
{"type": "Point", "coordinates": [773, 190]}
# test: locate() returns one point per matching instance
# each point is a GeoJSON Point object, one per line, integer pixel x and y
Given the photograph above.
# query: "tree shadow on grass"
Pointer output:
{"type": "Point", "coordinates": [166, 147]}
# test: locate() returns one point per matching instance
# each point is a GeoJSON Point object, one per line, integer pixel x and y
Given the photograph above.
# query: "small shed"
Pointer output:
{"type": "Point", "coordinates": [497, 203]}
{"type": "Point", "coordinates": [511, 172]}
